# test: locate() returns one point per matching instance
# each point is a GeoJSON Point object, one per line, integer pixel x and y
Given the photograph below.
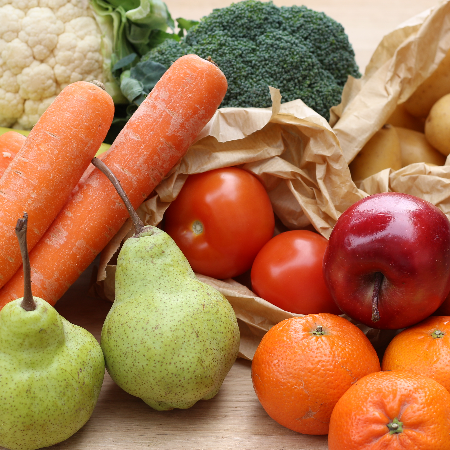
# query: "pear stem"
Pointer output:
{"type": "Point", "coordinates": [137, 222]}
{"type": "Point", "coordinates": [28, 303]}
{"type": "Point", "coordinates": [376, 296]}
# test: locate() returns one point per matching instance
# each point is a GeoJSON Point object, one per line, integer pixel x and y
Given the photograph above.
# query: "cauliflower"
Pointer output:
{"type": "Point", "coordinates": [47, 44]}
{"type": "Point", "coordinates": [44, 46]}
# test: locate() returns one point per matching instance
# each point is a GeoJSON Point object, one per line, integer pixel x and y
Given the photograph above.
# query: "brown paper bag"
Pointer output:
{"type": "Point", "coordinates": [403, 59]}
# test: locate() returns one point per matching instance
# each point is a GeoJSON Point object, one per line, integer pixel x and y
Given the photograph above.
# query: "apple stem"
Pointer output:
{"type": "Point", "coordinates": [376, 296]}
{"type": "Point", "coordinates": [137, 222]}
{"type": "Point", "coordinates": [28, 303]}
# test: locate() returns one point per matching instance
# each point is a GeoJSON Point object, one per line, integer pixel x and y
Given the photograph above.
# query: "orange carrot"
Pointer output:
{"type": "Point", "coordinates": [148, 147]}
{"type": "Point", "coordinates": [52, 159]}
{"type": "Point", "coordinates": [10, 144]}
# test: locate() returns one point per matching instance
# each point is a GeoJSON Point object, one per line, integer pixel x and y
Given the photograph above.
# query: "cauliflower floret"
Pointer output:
{"type": "Point", "coordinates": [16, 56]}
{"type": "Point", "coordinates": [10, 23]}
{"type": "Point", "coordinates": [37, 82]}
{"type": "Point", "coordinates": [40, 31]}
{"type": "Point", "coordinates": [22, 5]}
{"type": "Point", "coordinates": [78, 53]}
{"type": "Point", "coordinates": [66, 10]}
{"type": "Point", "coordinates": [8, 82]}
{"type": "Point", "coordinates": [11, 108]}
{"type": "Point", "coordinates": [33, 109]}
{"type": "Point", "coordinates": [44, 46]}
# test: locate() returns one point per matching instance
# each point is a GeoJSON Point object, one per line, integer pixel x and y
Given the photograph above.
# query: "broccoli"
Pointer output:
{"type": "Point", "coordinates": [303, 53]}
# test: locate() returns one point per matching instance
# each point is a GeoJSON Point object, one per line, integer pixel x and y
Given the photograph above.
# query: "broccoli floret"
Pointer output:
{"type": "Point", "coordinates": [303, 53]}
{"type": "Point", "coordinates": [168, 52]}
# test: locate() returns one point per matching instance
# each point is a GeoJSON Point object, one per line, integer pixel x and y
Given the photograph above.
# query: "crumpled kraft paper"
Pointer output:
{"type": "Point", "coordinates": [295, 154]}
{"type": "Point", "coordinates": [403, 59]}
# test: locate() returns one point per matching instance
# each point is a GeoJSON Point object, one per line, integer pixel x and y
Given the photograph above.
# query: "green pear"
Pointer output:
{"type": "Point", "coordinates": [168, 338]}
{"type": "Point", "coordinates": [51, 372]}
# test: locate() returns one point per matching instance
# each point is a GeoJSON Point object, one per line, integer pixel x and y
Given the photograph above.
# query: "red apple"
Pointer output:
{"type": "Point", "coordinates": [444, 309]}
{"type": "Point", "coordinates": [387, 263]}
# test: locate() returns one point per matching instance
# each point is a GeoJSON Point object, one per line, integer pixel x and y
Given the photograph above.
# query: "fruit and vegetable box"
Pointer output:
{"type": "Point", "coordinates": [283, 220]}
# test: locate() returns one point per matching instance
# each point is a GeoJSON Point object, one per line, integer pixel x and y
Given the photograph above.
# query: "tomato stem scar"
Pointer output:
{"type": "Point", "coordinates": [197, 227]}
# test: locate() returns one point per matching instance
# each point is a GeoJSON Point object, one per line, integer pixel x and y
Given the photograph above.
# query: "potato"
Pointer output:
{"type": "Point", "coordinates": [381, 152]}
{"type": "Point", "coordinates": [437, 125]}
{"type": "Point", "coordinates": [416, 148]}
{"type": "Point", "coordinates": [402, 118]}
{"type": "Point", "coordinates": [431, 90]}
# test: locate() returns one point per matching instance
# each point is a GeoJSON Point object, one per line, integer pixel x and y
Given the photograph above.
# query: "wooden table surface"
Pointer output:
{"type": "Point", "coordinates": [234, 418]}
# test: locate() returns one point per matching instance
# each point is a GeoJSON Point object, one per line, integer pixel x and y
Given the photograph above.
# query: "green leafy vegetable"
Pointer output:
{"type": "Point", "coordinates": [139, 79]}
{"type": "Point", "coordinates": [137, 24]}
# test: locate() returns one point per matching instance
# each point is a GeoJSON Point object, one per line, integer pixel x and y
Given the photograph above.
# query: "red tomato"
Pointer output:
{"type": "Point", "coordinates": [287, 272]}
{"type": "Point", "coordinates": [220, 220]}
